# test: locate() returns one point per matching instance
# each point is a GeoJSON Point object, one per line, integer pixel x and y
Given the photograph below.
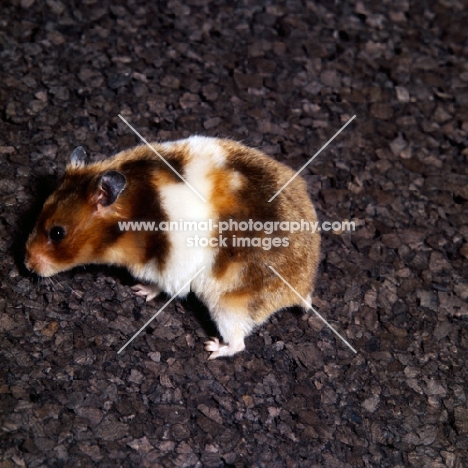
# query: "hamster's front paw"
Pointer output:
{"type": "Point", "coordinates": [150, 291]}
{"type": "Point", "coordinates": [218, 349]}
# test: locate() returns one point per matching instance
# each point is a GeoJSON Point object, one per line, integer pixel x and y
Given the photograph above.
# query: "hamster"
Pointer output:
{"type": "Point", "coordinates": [79, 224]}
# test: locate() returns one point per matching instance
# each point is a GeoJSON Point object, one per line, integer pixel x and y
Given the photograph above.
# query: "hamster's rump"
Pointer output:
{"type": "Point", "coordinates": [79, 224]}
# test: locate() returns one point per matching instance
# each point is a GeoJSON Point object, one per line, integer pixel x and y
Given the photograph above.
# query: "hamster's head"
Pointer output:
{"type": "Point", "coordinates": [79, 221]}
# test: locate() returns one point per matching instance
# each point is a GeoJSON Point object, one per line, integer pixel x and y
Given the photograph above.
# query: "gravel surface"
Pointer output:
{"type": "Point", "coordinates": [283, 77]}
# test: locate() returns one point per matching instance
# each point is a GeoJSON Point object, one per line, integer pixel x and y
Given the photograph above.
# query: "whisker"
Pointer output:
{"type": "Point", "coordinates": [49, 283]}
{"type": "Point", "coordinates": [74, 292]}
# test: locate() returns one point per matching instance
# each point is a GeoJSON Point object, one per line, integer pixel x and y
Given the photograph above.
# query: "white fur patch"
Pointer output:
{"type": "Point", "coordinates": [232, 324]}
{"type": "Point", "coordinates": [180, 203]}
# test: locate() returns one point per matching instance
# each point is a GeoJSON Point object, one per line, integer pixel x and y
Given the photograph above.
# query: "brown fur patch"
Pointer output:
{"type": "Point", "coordinates": [92, 231]}
{"type": "Point", "coordinates": [297, 263]}
{"type": "Point", "coordinates": [225, 192]}
{"type": "Point", "coordinates": [176, 156]}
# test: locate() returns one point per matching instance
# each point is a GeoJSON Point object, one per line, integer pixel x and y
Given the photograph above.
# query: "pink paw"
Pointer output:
{"type": "Point", "coordinates": [214, 346]}
{"type": "Point", "coordinates": [150, 291]}
{"type": "Point", "coordinates": [218, 349]}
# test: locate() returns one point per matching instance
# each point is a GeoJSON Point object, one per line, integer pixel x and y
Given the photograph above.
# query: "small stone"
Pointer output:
{"type": "Point", "coordinates": [402, 94]}
{"type": "Point", "coordinates": [111, 430]}
{"type": "Point", "coordinates": [136, 376]}
{"type": "Point", "coordinates": [330, 78]}
{"type": "Point", "coordinates": [371, 403]}
{"type": "Point", "coordinates": [142, 445]}
{"type": "Point", "coordinates": [93, 451]}
{"type": "Point", "coordinates": [210, 412]}
{"type": "Point", "coordinates": [211, 123]}
{"type": "Point", "coordinates": [93, 415]}
{"type": "Point", "coordinates": [398, 145]}
{"type": "Point", "coordinates": [56, 6]}
{"type": "Point", "coordinates": [170, 81]}
{"type": "Point", "coordinates": [427, 299]}
{"type": "Point", "coordinates": [370, 299]}
{"type": "Point", "coordinates": [442, 329]}
{"type": "Point", "coordinates": [7, 149]}
{"type": "Point", "coordinates": [155, 356]}
{"type": "Point", "coordinates": [438, 262]}
{"type": "Point", "coordinates": [188, 100]}
{"type": "Point", "coordinates": [50, 330]}
{"type": "Point", "coordinates": [461, 290]}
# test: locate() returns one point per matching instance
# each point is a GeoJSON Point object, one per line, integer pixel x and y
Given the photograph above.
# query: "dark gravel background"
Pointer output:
{"type": "Point", "coordinates": [284, 77]}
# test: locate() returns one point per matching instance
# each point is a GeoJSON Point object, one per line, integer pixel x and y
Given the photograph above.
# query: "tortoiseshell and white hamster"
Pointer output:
{"type": "Point", "coordinates": [79, 224]}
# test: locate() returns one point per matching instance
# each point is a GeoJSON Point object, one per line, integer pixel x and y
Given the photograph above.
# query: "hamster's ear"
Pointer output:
{"type": "Point", "coordinates": [110, 186]}
{"type": "Point", "coordinates": [78, 157]}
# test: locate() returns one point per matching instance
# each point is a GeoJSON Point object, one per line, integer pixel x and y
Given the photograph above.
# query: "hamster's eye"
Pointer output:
{"type": "Point", "coordinates": [56, 233]}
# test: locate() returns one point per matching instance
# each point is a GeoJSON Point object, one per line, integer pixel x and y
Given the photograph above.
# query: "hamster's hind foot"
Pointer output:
{"type": "Point", "coordinates": [150, 291]}
{"type": "Point", "coordinates": [219, 349]}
